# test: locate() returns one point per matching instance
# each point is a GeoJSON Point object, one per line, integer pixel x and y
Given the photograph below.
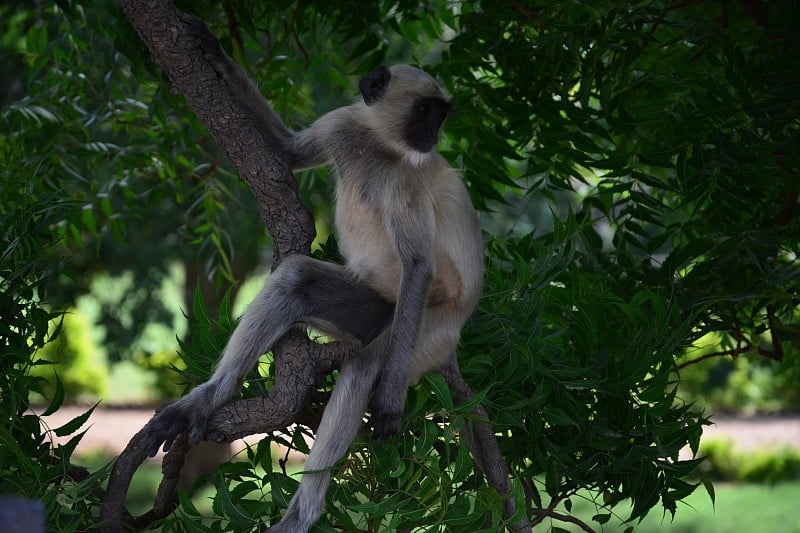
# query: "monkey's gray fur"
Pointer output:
{"type": "Point", "coordinates": [413, 274]}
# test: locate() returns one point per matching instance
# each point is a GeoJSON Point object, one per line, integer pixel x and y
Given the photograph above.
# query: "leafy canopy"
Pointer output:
{"type": "Point", "coordinates": [636, 171]}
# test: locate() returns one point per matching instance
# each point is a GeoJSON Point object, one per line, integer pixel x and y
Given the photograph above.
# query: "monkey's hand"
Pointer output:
{"type": "Point", "coordinates": [386, 411]}
{"type": "Point", "coordinates": [170, 422]}
{"type": "Point", "coordinates": [208, 43]}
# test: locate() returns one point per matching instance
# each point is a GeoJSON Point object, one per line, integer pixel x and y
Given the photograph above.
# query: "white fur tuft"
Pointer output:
{"type": "Point", "coordinates": [415, 158]}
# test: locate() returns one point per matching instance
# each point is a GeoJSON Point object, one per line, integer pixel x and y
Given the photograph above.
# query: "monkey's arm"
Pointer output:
{"type": "Point", "coordinates": [411, 230]}
{"type": "Point", "coordinates": [296, 150]}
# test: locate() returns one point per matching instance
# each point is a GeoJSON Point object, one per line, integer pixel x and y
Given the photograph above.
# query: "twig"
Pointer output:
{"type": "Point", "coordinates": [549, 513]}
{"type": "Point", "coordinates": [114, 518]}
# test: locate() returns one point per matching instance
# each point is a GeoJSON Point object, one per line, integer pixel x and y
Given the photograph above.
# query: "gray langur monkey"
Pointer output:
{"type": "Point", "coordinates": [413, 274]}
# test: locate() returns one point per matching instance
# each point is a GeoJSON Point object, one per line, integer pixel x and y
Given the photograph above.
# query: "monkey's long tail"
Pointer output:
{"type": "Point", "coordinates": [336, 432]}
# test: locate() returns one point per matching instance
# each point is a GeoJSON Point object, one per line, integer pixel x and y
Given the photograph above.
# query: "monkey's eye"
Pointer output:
{"type": "Point", "coordinates": [424, 109]}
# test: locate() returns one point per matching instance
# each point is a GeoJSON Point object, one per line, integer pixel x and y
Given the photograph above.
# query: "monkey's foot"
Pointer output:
{"type": "Point", "coordinates": [384, 422]}
{"type": "Point", "coordinates": [173, 420]}
{"type": "Point", "coordinates": [164, 427]}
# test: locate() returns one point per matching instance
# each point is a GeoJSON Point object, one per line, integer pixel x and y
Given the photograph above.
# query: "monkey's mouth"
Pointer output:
{"type": "Point", "coordinates": [422, 142]}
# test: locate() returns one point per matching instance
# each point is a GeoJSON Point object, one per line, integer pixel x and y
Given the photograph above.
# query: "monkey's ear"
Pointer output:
{"type": "Point", "coordinates": [373, 86]}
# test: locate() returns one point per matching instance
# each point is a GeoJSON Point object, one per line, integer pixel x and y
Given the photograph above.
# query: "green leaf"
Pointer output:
{"type": "Point", "coordinates": [552, 478]}
{"type": "Point", "coordinates": [58, 396]}
{"type": "Point", "coordinates": [709, 486]}
{"type": "Point", "coordinates": [463, 465]}
{"type": "Point", "coordinates": [198, 306]}
{"type": "Point", "coordinates": [557, 416]}
{"type": "Point", "coordinates": [187, 505]}
{"type": "Point", "coordinates": [442, 391]}
{"type": "Point", "coordinates": [601, 518]}
{"type": "Point", "coordinates": [75, 424]}
{"type": "Point", "coordinates": [235, 513]}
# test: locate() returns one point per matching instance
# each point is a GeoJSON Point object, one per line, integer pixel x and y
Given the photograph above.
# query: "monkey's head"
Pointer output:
{"type": "Point", "coordinates": [406, 108]}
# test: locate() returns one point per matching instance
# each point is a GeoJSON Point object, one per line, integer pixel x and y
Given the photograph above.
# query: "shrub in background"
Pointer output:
{"type": "Point", "coordinates": [75, 357]}
{"type": "Point", "coordinates": [724, 463]}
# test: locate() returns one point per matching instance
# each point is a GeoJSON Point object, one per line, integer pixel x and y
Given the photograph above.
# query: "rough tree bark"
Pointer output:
{"type": "Point", "coordinates": [299, 364]}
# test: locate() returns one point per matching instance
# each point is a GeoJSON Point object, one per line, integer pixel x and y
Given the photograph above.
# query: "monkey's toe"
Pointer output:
{"type": "Point", "coordinates": [164, 428]}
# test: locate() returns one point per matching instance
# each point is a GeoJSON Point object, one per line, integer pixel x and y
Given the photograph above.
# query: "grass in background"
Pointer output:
{"type": "Point", "coordinates": [750, 508]}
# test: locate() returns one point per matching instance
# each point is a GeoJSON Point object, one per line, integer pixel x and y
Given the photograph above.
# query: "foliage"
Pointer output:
{"type": "Point", "coordinates": [29, 464]}
{"type": "Point", "coordinates": [111, 134]}
{"type": "Point", "coordinates": [636, 169]}
{"type": "Point", "coordinates": [739, 506]}
{"type": "Point", "coordinates": [75, 357]}
{"type": "Point", "coordinates": [746, 384]}
{"type": "Point", "coordinates": [579, 369]}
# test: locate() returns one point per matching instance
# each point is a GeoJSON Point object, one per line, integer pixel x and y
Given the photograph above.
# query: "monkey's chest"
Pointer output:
{"type": "Point", "coordinates": [365, 244]}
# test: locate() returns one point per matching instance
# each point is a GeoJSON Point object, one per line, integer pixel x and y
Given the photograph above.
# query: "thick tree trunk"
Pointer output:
{"type": "Point", "coordinates": [299, 363]}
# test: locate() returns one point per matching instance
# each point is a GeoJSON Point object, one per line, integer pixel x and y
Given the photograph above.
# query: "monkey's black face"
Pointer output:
{"type": "Point", "coordinates": [425, 120]}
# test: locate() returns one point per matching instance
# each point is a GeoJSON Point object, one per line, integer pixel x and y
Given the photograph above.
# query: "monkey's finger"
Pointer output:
{"type": "Point", "coordinates": [197, 433]}
{"type": "Point", "coordinates": [153, 445]}
{"type": "Point", "coordinates": [152, 441]}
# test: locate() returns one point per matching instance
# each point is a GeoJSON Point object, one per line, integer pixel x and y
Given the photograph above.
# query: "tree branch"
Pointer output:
{"type": "Point", "coordinates": [300, 365]}
{"type": "Point", "coordinates": [549, 513]}
{"type": "Point", "coordinates": [744, 345]}
{"type": "Point", "coordinates": [299, 362]}
{"type": "Point", "coordinates": [174, 50]}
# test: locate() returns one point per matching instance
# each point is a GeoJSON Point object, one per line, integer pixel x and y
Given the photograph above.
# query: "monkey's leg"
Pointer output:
{"type": "Point", "coordinates": [334, 299]}
{"type": "Point", "coordinates": [299, 288]}
{"type": "Point", "coordinates": [338, 428]}
{"type": "Point", "coordinates": [438, 337]}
